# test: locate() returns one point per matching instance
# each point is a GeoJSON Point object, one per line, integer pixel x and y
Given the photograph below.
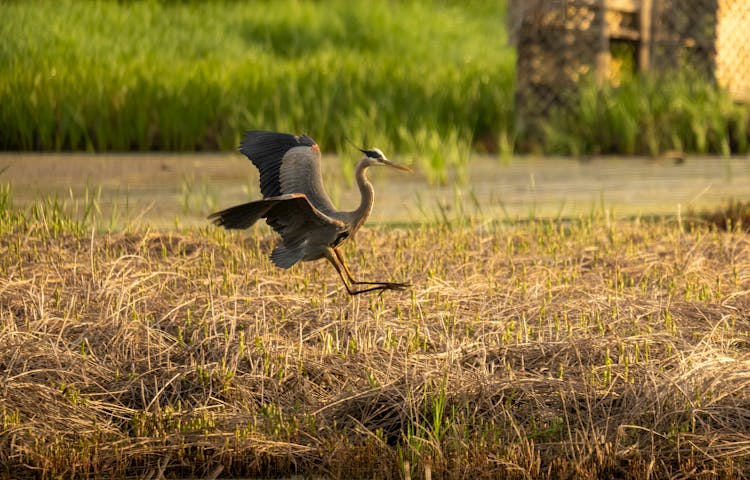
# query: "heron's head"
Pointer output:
{"type": "Point", "coordinates": [375, 157]}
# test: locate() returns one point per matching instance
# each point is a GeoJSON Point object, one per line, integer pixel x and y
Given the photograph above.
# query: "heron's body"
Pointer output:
{"type": "Point", "coordinates": [296, 205]}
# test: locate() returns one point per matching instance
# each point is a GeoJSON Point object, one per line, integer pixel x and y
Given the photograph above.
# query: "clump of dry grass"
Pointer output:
{"type": "Point", "coordinates": [735, 214]}
{"type": "Point", "coordinates": [547, 350]}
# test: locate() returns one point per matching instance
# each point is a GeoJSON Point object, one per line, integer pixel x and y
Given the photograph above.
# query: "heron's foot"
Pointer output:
{"type": "Point", "coordinates": [386, 285]}
{"type": "Point", "coordinates": [378, 287]}
{"type": "Point", "coordinates": [396, 286]}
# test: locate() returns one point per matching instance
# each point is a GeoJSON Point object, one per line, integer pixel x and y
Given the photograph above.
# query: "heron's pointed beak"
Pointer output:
{"type": "Point", "coordinates": [396, 165]}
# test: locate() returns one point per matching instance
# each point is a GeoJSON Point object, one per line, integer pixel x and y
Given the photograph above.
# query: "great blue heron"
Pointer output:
{"type": "Point", "coordinates": [296, 205]}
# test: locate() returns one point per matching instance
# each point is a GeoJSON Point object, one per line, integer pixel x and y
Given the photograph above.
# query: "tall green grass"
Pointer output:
{"type": "Point", "coordinates": [648, 115]}
{"type": "Point", "coordinates": [431, 77]}
{"type": "Point", "coordinates": [194, 75]}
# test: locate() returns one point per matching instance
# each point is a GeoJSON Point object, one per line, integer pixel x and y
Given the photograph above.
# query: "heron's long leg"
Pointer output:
{"type": "Point", "coordinates": [343, 264]}
{"type": "Point", "coordinates": [390, 285]}
{"type": "Point", "coordinates": [378, 286]}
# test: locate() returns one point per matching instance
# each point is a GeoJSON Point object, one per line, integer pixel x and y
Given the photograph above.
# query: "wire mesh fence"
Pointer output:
{"type": "Point", "coordinates": [733, 48]}
{"type": "Point", "coordinates": [559, 42]}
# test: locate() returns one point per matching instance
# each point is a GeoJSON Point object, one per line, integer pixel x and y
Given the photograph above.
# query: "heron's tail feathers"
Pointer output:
{"type": "Point", "coordinates": [285, 257]}
{"type": "Point", "coordinates": [241, 216]}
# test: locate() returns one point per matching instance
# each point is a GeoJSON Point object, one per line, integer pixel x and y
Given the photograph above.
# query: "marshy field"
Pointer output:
{"type": "Point", "coordinates": [568, 317]}
{"type": "Point", "coordinates": [589, 346]}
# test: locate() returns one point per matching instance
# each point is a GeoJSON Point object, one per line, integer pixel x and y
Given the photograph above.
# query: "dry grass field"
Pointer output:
{"type": "Point", "coordinates": [591, 348]}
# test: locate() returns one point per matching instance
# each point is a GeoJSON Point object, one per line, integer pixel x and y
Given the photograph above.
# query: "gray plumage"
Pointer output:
{"type": "Point", "coordinates": [296, 205]}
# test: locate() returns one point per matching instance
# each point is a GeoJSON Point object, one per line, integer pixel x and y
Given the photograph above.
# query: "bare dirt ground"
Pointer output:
{"type": "Point", "coordinates": [157, 189]}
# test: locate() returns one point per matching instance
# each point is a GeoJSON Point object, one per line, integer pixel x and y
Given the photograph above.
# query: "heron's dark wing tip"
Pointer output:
{"type": "Point", "coordinates": [241, 216]}
{"type": "Point", "coordinates": [266, 150]}
{"type": "Point", "coordinates": [286, 257]}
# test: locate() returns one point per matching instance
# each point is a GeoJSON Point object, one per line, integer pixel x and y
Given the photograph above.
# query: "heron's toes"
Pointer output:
{"type": "Point", "coordinates": [397, 286]}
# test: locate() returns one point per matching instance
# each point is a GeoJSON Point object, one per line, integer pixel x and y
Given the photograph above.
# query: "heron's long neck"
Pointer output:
{"type": "Point", "coordinates": [368, 196]}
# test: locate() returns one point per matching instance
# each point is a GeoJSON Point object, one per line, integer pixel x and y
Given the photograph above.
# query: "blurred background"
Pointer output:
{"type": "Point", "coordinates": [506, 109]}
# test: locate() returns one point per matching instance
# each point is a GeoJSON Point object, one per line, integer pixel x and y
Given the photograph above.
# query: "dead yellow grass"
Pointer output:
{"type": "Point", "coordinates": [589, 349]}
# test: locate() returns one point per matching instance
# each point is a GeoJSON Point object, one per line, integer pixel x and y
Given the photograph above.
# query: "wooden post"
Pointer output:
{"type": "Point", "coordinates": [603, 54]}
{"type": "Point", "coordinates": [644, 43]}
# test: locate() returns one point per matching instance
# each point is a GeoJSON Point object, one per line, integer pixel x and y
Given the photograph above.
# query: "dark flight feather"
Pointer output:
{"type": "Point", "coordinates": [266, 150]}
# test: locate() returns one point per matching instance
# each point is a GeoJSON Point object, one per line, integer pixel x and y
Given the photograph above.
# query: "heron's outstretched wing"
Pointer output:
{"type": "Point", "coordinates": [242, 216]}
{"type": "Point", "coordinates": [303, 229]}
{"type": "Point", "coordinates": [266, 150]}
{"type": "Point", "coordinates": [299, 223]}
{"type": "Point", "coordinates": [288, 164]}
